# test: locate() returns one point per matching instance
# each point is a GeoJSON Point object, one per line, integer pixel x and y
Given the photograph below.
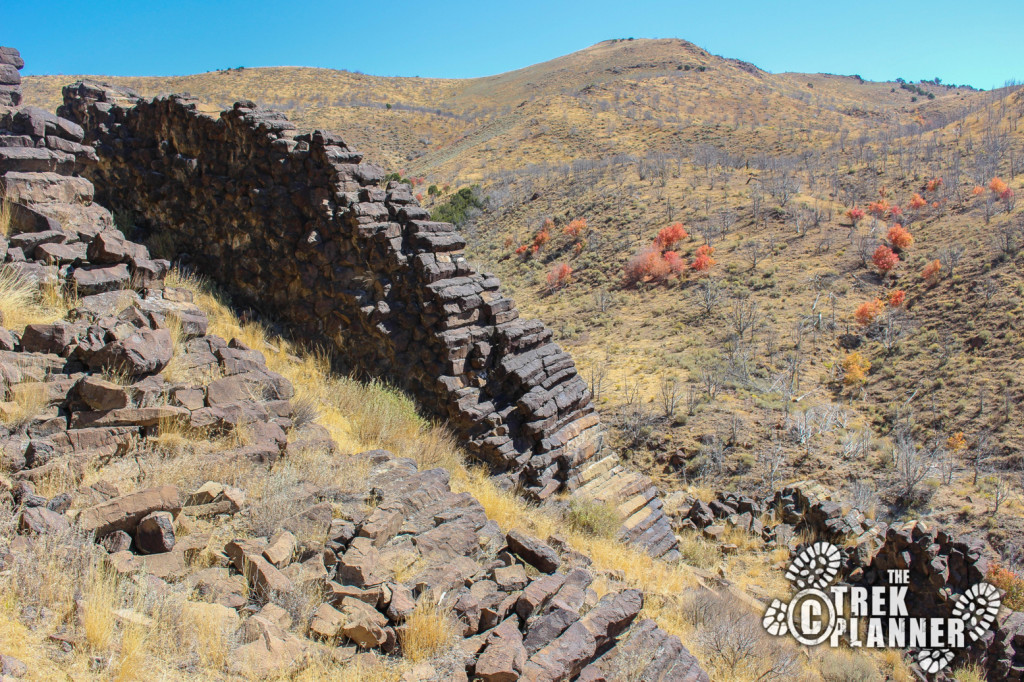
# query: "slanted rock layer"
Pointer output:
{"type": "Point", "coordinates": [297, 226]}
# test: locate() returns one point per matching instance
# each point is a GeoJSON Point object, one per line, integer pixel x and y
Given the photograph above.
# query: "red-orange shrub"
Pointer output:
{"type": "Point", "coordinates": [576, 228]}
{"type": "Point", "coordinates": [669, 236]}
{"type": "Point", "coordinates": [885, 259]}
{"type": "Point", "coordinates": [896, 298]}
{"type": "Point", "coordinates": [918, 202]}
{"type": "Point", "coordinates": [899, 237]}
{"type": "Point", "coordinates": [1010, 582]}
{"type": "Point", "coordinates": [855, 215]}
{"type": "Point", "coordinates": [997, 185]}
{"type": "Point", "coordinates": [647, 266]}
{"type": "Point", "coordinates": [559, 276]}
{"type": "Point", "coordinates": [867, 312]}
{"type": "Point", "coordinates": [930, 274]}
{"type": "Point", "coordinates": [878, 208]}
{"type": "Point", "coordinates": [933, 185]}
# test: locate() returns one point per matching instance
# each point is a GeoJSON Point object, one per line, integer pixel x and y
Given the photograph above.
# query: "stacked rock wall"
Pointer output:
{"type": "Point", "coordinates": [298, 227]}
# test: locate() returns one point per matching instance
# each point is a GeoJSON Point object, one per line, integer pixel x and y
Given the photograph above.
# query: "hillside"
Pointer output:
{"type": "Point", "coordinates": [636, 135]}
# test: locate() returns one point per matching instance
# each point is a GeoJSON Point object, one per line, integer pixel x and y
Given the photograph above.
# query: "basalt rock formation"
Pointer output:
{"type": "Point", "coordinates": [296, 226]}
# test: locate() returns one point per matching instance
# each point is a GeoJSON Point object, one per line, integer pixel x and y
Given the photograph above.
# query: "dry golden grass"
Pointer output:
{"type": "Point", "coordinates": [24, 302]}
{"type": "Point", "coordinates": [26, 401]}
{"type": "Point", "coordinates": [5, 218]}
{"type": "Point", "coordinates": [429, 632]}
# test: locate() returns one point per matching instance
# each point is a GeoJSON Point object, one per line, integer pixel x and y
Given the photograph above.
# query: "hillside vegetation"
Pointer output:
{"type": "Point", "coordinates": [761, 365]}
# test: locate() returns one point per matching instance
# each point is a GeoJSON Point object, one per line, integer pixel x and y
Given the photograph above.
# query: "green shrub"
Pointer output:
{"type": "Point", "coordinates": [460, 207]}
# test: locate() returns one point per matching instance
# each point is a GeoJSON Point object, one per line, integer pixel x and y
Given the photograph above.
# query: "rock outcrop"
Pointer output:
{"type": "Point", "coordinates": [297, 226]}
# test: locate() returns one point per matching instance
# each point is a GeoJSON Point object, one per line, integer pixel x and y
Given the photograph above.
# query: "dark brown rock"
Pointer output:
{"type": "Point", "coordinates": [155, 533]}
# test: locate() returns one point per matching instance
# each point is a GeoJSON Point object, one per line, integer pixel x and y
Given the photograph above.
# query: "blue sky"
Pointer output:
{"type": "Point", "coordinates": [959, 42]}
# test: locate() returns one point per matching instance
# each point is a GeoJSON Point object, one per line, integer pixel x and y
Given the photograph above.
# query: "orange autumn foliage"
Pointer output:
{"type": "Point", "coordinates": [867, 312]}
{"type": "Point", "coordinates": [576, 228]}
{"type": "Point", "coordinates": [899, 237]}
{"type": "Point", "coordinates": [885, 259]}
{"type": "Point", "coordinates": [930, 273]}
{"type": "Point", "coordinates": [669, 236]}
{"type": "Point", "coordinates": [998, 186]}
{"type": "Point", "coordinates": [918, 202]}
{"type": "Point", "coordinates": [559, 276]}
{"type": "Point", "coordinates": [855, 368]}
{"type": "Point", "coordinates": [896, 298]}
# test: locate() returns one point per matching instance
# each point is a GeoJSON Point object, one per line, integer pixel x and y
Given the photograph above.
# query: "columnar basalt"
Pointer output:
{"type": "Point", "coordinates": [298, 227]}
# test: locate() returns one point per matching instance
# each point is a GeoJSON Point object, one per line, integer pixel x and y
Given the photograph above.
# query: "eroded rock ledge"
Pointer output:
{"type": "Point", "coordinates": [297, 226]}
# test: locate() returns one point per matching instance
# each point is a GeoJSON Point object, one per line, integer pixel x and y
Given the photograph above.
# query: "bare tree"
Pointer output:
{"type": "Point", "coordinates": [951, 256]}
{"type": "Point", "coordinates": [981, 453]}
{"type": "Point", "coordinates": [744, 314]}
{"type": "Point", "coordinates": [754, 250]}
{"type": "Point", "coordinates": [772, 461]}
{"type": "Point", "coordinates": [709, 293]}
{"type": "Point", "coordinates": [670, 393]}
{"type": "Point", "coordinates": [597, 374]}
{"type": "Point", "coordinates": [1001, 490]}
{"type": "Point", "coordinates": [913, 464]}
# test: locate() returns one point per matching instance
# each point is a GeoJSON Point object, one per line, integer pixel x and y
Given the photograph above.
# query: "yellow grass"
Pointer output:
{"type": "Point", "coordinates": [5, 218]}
{"type": "Point", "coordinates": [23, 303]}
{"type": "Point", "coordinates": [429, 631]}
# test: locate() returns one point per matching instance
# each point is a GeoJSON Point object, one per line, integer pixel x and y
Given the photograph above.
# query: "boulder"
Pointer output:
{"type": "Point", "coordinates": [145, 351]}
{"type": "Point", "coordinates": [125, 513]}
{"type": "Point", "coordinates": [533, 551]}
{"type": "Point", "coordinates": [363, 624]}
{"type": "Point", "coordinates": [155, 533]}
{"type": "Point", "coordinates": [42, 521]}
{"type": "Point", "coordinates": [102, 395]}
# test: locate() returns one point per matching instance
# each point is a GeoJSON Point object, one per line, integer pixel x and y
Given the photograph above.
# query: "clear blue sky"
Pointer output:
{"type": "Point", "coordinates": [960, 42]}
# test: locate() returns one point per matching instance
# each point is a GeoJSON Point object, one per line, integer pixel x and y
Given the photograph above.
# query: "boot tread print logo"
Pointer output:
{"type": "Point", "coordinates": [820, 611]}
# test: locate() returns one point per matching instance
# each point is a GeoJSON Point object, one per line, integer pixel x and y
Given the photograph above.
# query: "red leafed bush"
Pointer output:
{"type": "Point", "coordinates": [576, 228]}
{"type": "Point", "coordinates": [559, 276]}
{"type": "Point", "coordinates": [522, 249]}
{"type": "Point", "coordinates": [896, 298]}
{"type": "Point", "coordinates": [647, 266]}
{"type": "Point", "coordinates": [918, 202]}
{"type": "Point", "coordinates": [540, 239]}
{"type": "Point", "coordinates": [899, 237]}
{"type": "Point", "coordinates": [670, 236]}
{"type": "Point", "coordinates": [933, 185]}
{"type": "Point", "coordinates": [878, 208]}
{"type": "Point", "coordinates": [676, 265]}
{"type": "Point", "coordinates": [930, 273]}
{"type": "Point", "coordinates": [998, 185]}
{"type": "Point", "coordinates": [702, 263]}
{"type": "Point", "coordinates": [855, 215]}
{"type": "Point", "coordinates": [885, 259]}
{"type": "Point", "coordinates": [867, 312]}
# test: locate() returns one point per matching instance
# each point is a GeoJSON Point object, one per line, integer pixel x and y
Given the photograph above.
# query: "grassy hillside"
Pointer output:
{"type": "Point", "coordinates": [634, 136]}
